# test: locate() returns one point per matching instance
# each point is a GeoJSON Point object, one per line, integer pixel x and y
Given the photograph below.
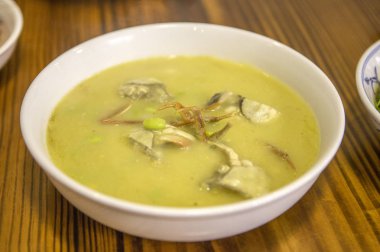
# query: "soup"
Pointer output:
{"type": "Point", "coordinates": [183, 131]}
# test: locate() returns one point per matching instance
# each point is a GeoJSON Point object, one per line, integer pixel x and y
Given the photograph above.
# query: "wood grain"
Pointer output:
{"type": "Point", "coordinates": [340, 213]}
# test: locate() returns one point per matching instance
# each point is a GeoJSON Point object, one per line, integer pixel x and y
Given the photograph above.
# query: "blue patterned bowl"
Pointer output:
{"type": "Point", "coordinates": [368, 80]}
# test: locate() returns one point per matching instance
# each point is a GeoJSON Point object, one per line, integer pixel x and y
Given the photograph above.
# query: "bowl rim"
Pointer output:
{"type": "Point", "coordinates": [187, 212]}
{"type": "Point", "coordinates": [360, 82]}
{"type": "Point", "coordinates": [15, 33]}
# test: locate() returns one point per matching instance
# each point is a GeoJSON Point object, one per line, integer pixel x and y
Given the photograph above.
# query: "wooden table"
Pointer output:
{"type": "Point", "coordinates": [340, 213]}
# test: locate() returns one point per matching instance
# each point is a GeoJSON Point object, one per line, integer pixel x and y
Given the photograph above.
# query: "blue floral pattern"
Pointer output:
{"type": "Point", "coordinates": [369, 73]}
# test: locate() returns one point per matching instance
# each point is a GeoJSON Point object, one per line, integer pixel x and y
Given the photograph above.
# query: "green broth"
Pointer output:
{"type": "Point", "coordinates": [101, 157]}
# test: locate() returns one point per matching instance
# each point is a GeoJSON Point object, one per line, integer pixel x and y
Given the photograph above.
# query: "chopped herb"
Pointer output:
{"type": "Point", "coordinates": [377, 100]}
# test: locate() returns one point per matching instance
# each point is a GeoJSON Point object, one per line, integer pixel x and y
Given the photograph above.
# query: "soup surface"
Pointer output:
{"type": "Point", "coordinates": [211, 132]}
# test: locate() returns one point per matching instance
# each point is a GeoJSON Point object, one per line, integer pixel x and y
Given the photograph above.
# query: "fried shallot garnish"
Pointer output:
{"type": "Point", "coordinates": [194, 116]}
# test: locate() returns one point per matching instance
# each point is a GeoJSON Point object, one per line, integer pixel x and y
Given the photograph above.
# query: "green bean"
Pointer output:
{"type": "Point", "coordinates": [96, 139]}
{"type": "Point", "coordinates": [154, 123]}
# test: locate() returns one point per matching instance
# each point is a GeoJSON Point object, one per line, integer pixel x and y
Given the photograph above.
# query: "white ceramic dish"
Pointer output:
{"type": "Point", "coordinates": [12, 20]}
{"type": "Point", "coordinates": [368, 80]}
{"type": "Point", "coordinates": [181, 224]}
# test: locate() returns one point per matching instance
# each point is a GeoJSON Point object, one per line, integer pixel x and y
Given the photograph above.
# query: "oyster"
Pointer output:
{"type": "Point", "coordinates": [145, 89]}
{"type": "Point", "coordinates": [257, 112]}
{"type": "Point", "coordinates": [239, 175]}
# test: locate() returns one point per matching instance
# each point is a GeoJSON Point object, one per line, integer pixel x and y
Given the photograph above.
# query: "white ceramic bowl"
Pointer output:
{"type": "Point", "coordinates": [181, 224]}
{"type": "Point", "coordinates": [368, 80]}
{"type": "Point", "coordinates": [11, 19]}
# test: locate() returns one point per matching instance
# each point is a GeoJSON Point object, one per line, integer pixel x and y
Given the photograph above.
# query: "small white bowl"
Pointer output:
{"type": "Point", "coordinates": [368, 80]}
{"type": "Point", "coordinates": [11, 20]}
{"type": "Point", "coordinates": [181, 224]}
